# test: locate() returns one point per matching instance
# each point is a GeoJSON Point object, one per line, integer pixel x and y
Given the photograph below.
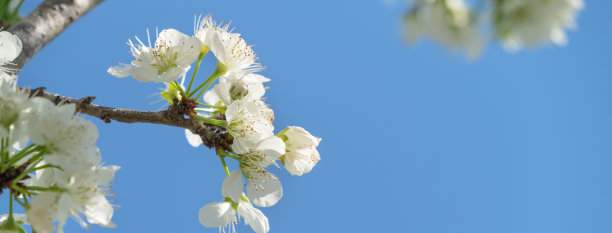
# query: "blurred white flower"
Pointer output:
{"type": "Point", "coordinates": [448, 22]}
{"type": "Point", "coordinates": [57, 128]}
{"type": "Point", "coordinates": [76, 159]}
{"type": "Point", "coordinates": [83, 193]}
{"type": "Point", "coordinates": [301, 150]}
{"type": "Point", "coordinates": [46, 208]}
{"type": "Point", "coordinates": [529, 23]}
{"type": "Point", "coordinates": [13, 107]}
{"type": "Point", "coordinates": [168, 60]}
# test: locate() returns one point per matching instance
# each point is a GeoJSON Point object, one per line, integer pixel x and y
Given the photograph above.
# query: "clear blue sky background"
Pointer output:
{"type": "Point", "coordinates": [415, 139]}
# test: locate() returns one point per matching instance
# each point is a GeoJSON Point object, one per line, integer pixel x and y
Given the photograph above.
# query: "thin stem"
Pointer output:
{"type": "Point", "coordinates": [220, 123]}
{"type": "Point", "coordinates": [220, 70]}
{"type": "Point", "coordinates": [10, 217]}
{"type": "Point", "coordinates": [22, 191]}
{"type": "Point", "coordinates": [206, 88]}
{"type": "Point", "coordinates": [212, 106]}
{"type": "Point", "coordinates": [18, 201]}
{"type": "Point", "coordinates": [38, 188]}
{"type": "Point", "coordinates": [195, 71]}
{"type": "Point", "coordinates": [223, 162]}
{"type": "Point", "coordinates": [178, 87]}
{"type": "Point", "coordinates": [45, 166]}
{"type": "Point", "coordinates": [228, 155]}
{"type": "Point", "coordinates": [33, 161]}
{"type": "Point", "coordinates": [201, 85]}
{"type": "Point", "coordinates": [22, 154]}
{"type": "Point", "coordinates": [3, 153]}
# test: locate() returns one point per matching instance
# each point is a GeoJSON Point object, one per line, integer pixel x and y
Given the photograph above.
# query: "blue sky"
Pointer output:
{"type": "Point", "coordinates": [415, 138]}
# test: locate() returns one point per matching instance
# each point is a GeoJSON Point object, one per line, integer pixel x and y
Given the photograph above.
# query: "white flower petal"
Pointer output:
{"type": "Point", "coordinates": [145, 73]}
{"type": "Point", "coordinates": [265, 190]}
{"type": "Point", "coordinates": [272, 147]}
{"type": "Point", "coordinates": [216, 214]}
{"type": "Point", "coordinates": [253, 217]}
{"type": "Point", "coordinates": [211, 97]}
{"type": "Point", "coordinates": [10, 47]}
{"type": "Point", "coordinates": [223, 92]}
{"type": "Point", "coordinates": [232, 186]}
{"type": "Point", "coordinates": [301, 151]}
{"type": "Point", "coordinates": [99, 211]}
{"type": "Point", "coordinates": [193, 139]}
{"type": "Point", "coordinates": [120, 71]}
{"type": "Point", "coordinates": [189, 49]}
{"type": "Point", "coordinates": [41, 212]}
{"type": "Point", "coordinates": [105, 175]}
{"type": "Point", "coordinates": [172, 74]}
{"type": "Point", "coordinates": [300, 163]}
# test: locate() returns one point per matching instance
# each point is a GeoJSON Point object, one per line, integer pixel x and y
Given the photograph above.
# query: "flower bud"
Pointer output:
{"type": "Point", "coordinates": [301, 150]}
{"type": "Point", "coordinates": [239, 89]}
{"type": "Point", "coordinates": [170, 93]}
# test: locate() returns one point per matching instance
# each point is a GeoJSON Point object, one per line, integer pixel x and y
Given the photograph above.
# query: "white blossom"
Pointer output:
{"type": "Point", "coordinates": [57, 128]}
{"type": "Point", "coordinates": [247, 86]}
{"type": "Point", "coordinates": [76, 159]}
{"type": "Point", "coordinates": [169, 59]}
{"type": "Point", "coordinates": [10, 48]}
{"type": "Point", "coordinates": [46, 208]}
{"type": "Point", "coordinates": [223, 214]}
{"type": "Point", "coordinates": [13, 107]}
{"type": "Point", "coordinates": [83, 193]}
{"type": "Point", "coordinates": [248, 121]}
{"type": "Point", "coordinates": [301, 150]}
{"type": "Point", "coordinates": [528, 23]}
{"type": "Point", "coordinates": [264, 188]}
{"type": "Point", "coordinates": [231, 51]}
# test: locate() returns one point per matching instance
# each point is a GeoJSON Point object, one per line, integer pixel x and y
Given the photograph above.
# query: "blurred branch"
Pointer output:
{"type": "Point", "coordinates": [212, 136]}
{"type": "Point", "coordinates": [47, 21]}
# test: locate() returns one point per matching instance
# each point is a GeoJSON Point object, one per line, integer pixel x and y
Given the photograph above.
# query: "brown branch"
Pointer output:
{"type": "Point", "coordinates": [47, 21]}
{"type": "Point", "coordinates": [212, 136]}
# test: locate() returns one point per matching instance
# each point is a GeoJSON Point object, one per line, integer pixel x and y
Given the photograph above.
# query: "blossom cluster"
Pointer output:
{"type": "Point", "coordinates": [515, 23]}
{"type": "Point", "coordinates": [236, 104]}
{"type": "Point", "coordinates": [51, 157]}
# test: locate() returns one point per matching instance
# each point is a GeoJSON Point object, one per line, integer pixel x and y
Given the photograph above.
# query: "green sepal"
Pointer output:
{"type": "Point", "coordinates": [10, 224]}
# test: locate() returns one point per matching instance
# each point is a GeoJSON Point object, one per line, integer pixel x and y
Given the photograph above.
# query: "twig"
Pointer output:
{"type": "Point", "coordinates": [212, 136]}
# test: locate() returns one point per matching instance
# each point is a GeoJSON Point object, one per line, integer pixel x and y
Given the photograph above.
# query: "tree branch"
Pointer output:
{"type": "Point", "coordinates": [52, 17]}
{"type": "Point", "coordinates": [47, 21]}
{"type": "Point", "coordinates": [212, 136]}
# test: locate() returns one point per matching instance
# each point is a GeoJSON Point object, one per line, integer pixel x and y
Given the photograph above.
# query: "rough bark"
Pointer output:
{"type": "Point", "coordinates": [47, 21]}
